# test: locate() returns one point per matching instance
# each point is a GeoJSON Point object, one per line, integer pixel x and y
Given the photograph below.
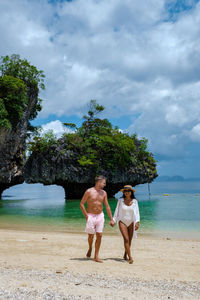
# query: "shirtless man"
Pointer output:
{"type": "Point", "coordinates": [95, 197]}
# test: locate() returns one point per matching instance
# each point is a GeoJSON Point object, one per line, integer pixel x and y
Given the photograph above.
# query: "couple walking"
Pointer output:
{"type": "Point", "coordinates": [126, 214]}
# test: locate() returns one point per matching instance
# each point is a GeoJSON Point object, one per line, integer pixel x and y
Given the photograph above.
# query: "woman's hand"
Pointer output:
{"type": "Point", "coordinates": [137, 225]}
{"type": "Point", "coordinates": [112, 223]}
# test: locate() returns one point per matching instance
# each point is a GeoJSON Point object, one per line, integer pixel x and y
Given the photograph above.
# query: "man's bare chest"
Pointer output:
{"type": "Point", "coordinates": [96, 197]}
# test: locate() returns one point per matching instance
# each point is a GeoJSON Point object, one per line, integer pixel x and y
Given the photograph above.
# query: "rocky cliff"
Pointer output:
{"type": "Point", "coordinates": [13, 146]}
{"type": "Point", "coordinates": [59, 166]}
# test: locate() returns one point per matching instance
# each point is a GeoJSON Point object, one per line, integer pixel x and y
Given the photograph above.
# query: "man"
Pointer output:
{"type": "Point", "coordinates": [95, 197]}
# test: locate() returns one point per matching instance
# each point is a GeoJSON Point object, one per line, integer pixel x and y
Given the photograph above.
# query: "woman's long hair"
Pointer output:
{"type": "Point", "coordinates": [132, 195]}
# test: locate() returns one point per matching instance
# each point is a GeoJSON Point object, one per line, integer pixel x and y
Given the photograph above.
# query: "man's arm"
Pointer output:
{"type": "Point", "coordinates": [82, 204]}
{"type": "Point", "coordinates": [116, 214]}
{"type": "Point", "coordinates": [107, 206]}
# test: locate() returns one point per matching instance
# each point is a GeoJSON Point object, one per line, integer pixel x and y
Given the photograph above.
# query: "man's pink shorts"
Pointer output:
{"type": "Point", "coordinates": [95, 223]}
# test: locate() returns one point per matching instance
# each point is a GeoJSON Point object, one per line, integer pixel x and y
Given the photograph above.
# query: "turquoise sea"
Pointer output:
{"type": "Point", "coordinates": [171, 209]}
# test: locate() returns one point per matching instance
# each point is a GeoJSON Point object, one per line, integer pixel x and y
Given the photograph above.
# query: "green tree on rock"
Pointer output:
{"type": "Point", "coordinates": [20, 83]}
{"type": "Point", "coordinates": [13, 99]}
{"type": "Point", "coordinates": [106, 147]}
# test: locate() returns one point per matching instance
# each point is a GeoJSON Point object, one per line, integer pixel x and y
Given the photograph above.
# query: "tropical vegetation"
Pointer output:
{"type": "Point", "coordinates": [99, 145]}
{"type": "Point", "coordinates": [19, 82]}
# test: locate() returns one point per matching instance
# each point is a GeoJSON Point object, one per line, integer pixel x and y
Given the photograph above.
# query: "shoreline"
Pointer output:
{"type": "Point", "coordinates": [79, 229]}
{"type": "Point", "coordinates": [35, 264]}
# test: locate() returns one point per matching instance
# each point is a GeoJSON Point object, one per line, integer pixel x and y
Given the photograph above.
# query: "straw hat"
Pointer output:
{"type": "Point", "coordinates": [127, 187]}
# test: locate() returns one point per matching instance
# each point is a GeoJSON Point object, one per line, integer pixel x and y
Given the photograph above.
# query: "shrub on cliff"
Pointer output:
{"type": "Point", "coordinates": [19, 82]}
{"type": "Point", "coordinates": [13, 98]}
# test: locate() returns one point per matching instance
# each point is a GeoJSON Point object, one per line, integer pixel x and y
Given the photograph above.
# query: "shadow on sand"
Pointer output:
{"type": "Point", "coordinates": [103, 259]}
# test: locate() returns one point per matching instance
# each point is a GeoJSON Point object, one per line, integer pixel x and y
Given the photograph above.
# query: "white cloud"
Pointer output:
{"type": "Point", "coordinates": [194, 133]}
{"type": "Point", "coordinates": [56, 126]}
{"type": "Point", "coordinates": [126, 54]}
{"type": "Point", "coordinates": [175, 115]}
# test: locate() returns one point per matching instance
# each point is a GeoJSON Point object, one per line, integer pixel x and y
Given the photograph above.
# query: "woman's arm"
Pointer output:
{"type": "Point", "coordinates": [116, 213]}
{"type": "Point", "coordinates": [137, 212]}
{"type": "Point", "coordinates": [137, 215]}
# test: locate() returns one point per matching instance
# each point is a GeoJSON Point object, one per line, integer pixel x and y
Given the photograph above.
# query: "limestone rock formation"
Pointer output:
{"type": "Point", "coordinates": [59, 166]}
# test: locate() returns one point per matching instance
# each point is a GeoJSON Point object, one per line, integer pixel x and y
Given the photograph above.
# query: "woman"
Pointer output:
{"type": "Point", "coordinates": [128, 217]}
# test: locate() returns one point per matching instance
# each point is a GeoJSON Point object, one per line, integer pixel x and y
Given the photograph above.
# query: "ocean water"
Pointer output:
{"type": "Point", "coordinates": [170, 209]}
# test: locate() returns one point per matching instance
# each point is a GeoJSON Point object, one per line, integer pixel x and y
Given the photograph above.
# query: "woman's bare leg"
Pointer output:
{"type": "Point", "coordinates": [130, 235]}
{"type": "Point", "coordinates": [124, 231]}
{"type": "Point", "coordinates": [125, 255]}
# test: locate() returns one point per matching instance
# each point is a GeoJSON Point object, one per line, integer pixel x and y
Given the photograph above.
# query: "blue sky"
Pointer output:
{"type": "Point", "coordinates": [140, 59]}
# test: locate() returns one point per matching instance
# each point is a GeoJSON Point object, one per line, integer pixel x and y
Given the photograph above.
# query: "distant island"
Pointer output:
{"type": "Point", "coordinates": [175, 178]}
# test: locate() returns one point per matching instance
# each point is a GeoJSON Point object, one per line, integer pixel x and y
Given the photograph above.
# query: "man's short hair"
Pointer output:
{"type": "Point", "coordinates": [99, 177]}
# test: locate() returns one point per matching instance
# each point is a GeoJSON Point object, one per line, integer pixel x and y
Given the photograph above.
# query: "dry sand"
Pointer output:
{"type": "Point", "coordinates": [50, 265]}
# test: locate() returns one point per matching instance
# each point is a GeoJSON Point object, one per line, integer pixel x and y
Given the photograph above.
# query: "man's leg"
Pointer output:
{"type": "Point", "coordinates": [97, 247]}
{"type": "Point", "coordinates": [90, 241]}
{"type": "Point", "coordinates": [124, 231]}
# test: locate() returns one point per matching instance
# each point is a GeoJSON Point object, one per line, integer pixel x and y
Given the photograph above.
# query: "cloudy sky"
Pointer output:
{"type": "Point", "coordinates": [140, 59]}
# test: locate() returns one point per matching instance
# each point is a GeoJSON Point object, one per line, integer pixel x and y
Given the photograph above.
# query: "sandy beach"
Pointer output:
{"type": "Point", "coordinates": [52, 265]}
